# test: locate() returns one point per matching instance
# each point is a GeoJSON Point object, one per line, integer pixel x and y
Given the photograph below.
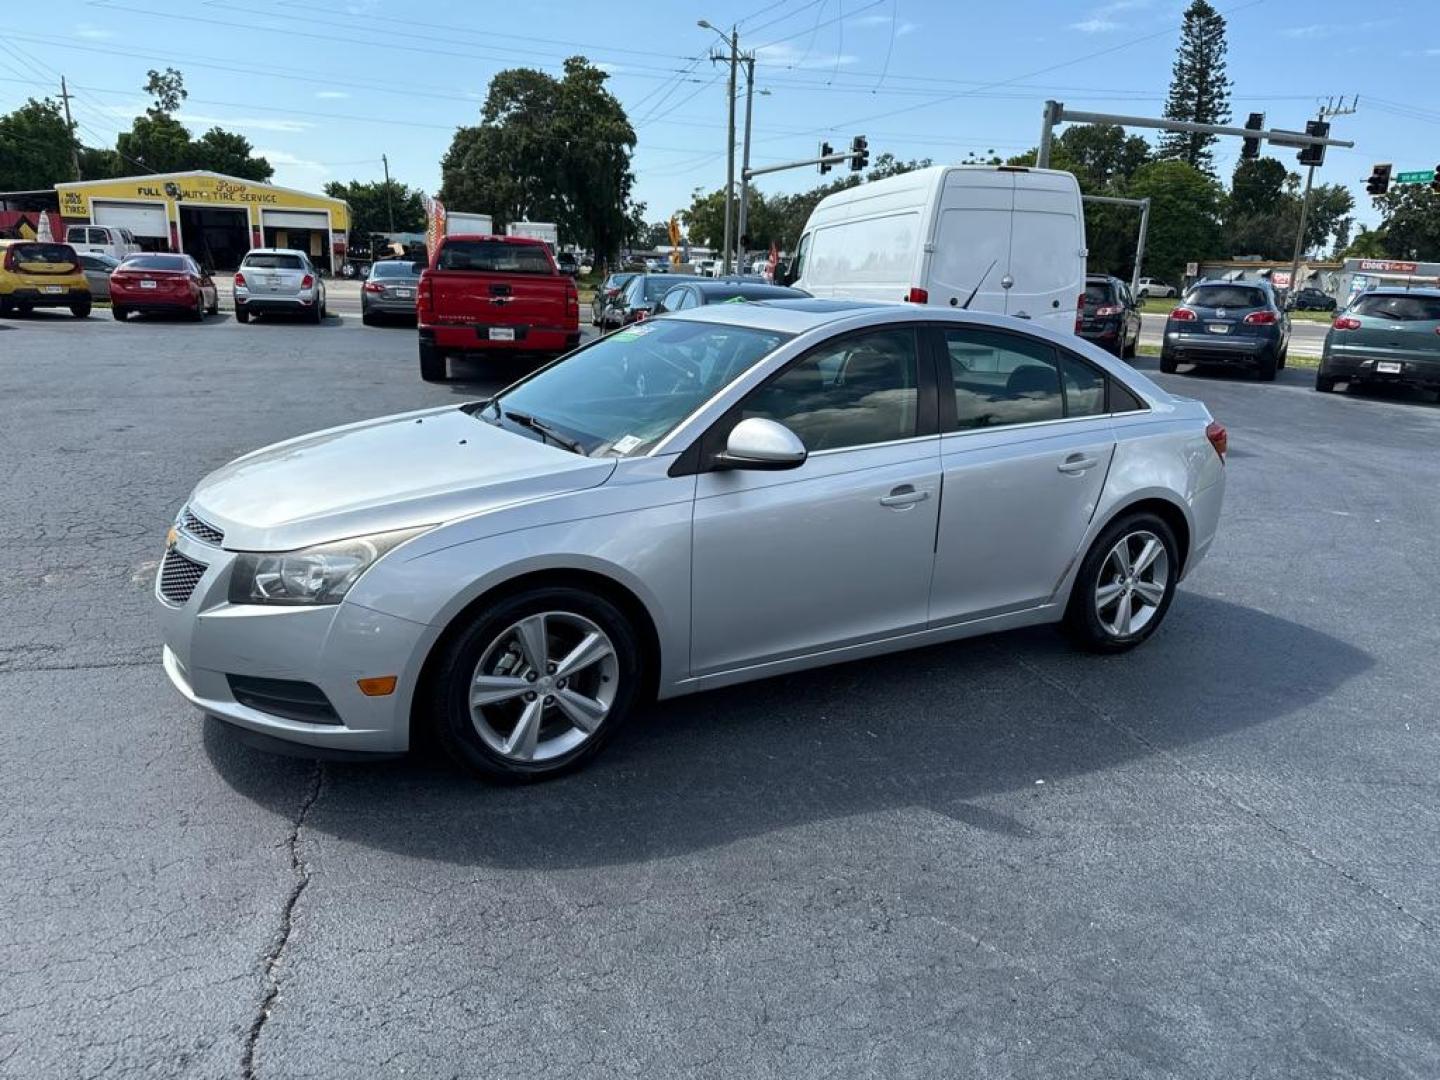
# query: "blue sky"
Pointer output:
{"type": "Point", "coordinates": [323, 90]}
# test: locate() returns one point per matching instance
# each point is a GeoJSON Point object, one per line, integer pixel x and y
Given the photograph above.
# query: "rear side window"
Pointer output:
{"type": "Point", "coordinates": [264, 260]}
{"type": "Point", "coordinates": [1399, 308]}
{"type": "Point", "coordinates": [1002, 379]}
{"type": "Point", "coordinates": [50, 254]}
{"type": "Point", "coordinates": [1084, 387]}
{"type": "Point", "coordinates": [1227, 296]}
{"type": "Point", "coordinates": [494, 257]}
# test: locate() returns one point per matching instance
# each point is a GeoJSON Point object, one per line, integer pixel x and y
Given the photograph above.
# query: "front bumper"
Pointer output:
{"type": "Point", "coordinates": [207, 639]}
{"type": "Point", "coordinates": [543, 340]}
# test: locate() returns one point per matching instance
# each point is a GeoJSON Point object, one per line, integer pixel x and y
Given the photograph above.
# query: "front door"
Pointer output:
{"type": "Point", "coordinates": [1024, 462]}
{"type": "Point", "coordinates": [839, 550]}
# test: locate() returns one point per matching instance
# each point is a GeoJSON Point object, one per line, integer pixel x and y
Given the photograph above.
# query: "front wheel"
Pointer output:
{"type": "Point", "coordinates": [536, 684]}
{"type": "Point", "coordinates": [1125, 585]}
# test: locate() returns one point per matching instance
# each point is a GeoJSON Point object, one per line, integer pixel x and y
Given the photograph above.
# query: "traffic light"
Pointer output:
{"type": "Point", "coordinates": [859, 153]}
{"type": "Point", "coordinates": [1379, 181]}
{"type": "Point", "coordinates": [1251, 148]}
{"type": "Point", "coordinates": [1314, 155]}
{"type": "Point", "coordinates": [1435, 182]}
{"type": "Point", "coordinates": [825, 151]}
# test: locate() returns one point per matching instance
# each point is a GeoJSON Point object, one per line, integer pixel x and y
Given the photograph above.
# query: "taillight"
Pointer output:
{"type": "Point", "coordinates": [240, 281]}
{"type": "Point", "coordinates": [1219, 437]}
{"type": "Point", "coordinates": [307, 282]}
{"type": "Point", "coordinates": [373, 286]}
{"type": "Point", "coordinates": [917, 295]}
{"type": "Point", "coordinates": [1349, 322]}
{"type": "Point", "coordinates": [1183, 314]}
{"type": "Point", "coordinates": [641, 315]}
{"type": "Point", "coordinates": [1108, 309]}
{"type": "Point", "coordinates": [10, 261]}
{"type": "Point", "coordinates": [1261, 318]}
{"type": "Point", "coordinates": [425, 291]}
{"type": "Point", "coordinates": [1079, 312]}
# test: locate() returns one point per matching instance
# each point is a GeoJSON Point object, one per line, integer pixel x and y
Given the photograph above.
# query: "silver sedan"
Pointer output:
{"type": "Point", "coordinates": [724, 494]}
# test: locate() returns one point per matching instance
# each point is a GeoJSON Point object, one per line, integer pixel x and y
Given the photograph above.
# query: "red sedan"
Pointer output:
{"type": "Point", "coordinates": [162, 283]}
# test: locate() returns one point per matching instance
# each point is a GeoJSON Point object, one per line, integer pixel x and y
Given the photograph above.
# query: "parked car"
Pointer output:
{"type": "Point", "coordinates": [935, 236]}
{"type": "Point", "coordinates": [1389, 336]}
{"type": "Point", "coordinates": [1234, 323]}
{"type": "Point", "coordinates": [158, 283]}
{"type": "Point", "coordinates": [606, 294]}
{"type": "Point", "coordinates": [390, 290]}
{"type": "Point", "coordinates": [40, 273]}
{"type": "Point", "coordinates": [115, 241]}
{"type": "Point", "coordinates": [278, 281]}
{"type": "Point", "coordinates": [567, 263]}
{"type": "Point", "coordinates": [693, 294]}
{"type": "Point", "coordinates": [1310, 299]}
{"type": "Point", "coordinates": [1150, 286]}
{"type": "Point", "coordinates": [656, 266]}
{"type": "Point", "coordinates": [97, 270]}
{"type": "Point", "coordinates": [1109, 315]}
{"type": "Point", "coordinates": [724, 494]}
{"type": "Point", "coordinates": [494, 296]}
{"type": "Point", "coordinates": [641, 295]}
{"type": "Point", "coordinates": [707, 267]}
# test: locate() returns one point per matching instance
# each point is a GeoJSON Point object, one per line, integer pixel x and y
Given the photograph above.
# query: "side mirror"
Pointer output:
{"type": "Point", "coordinates": [758, 443]}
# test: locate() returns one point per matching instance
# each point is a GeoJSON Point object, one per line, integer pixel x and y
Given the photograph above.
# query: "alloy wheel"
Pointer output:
{"type": "Point", "coordinates": [1132, 582]}
{"type": "Point", "coordinates": [544, 686]}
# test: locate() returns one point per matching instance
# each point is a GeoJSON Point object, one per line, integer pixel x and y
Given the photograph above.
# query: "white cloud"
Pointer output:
{"type": "Point", "coordinates": [906, 28]}
{"type": "Point", "coordinates": [1099, 20]}
{"type": "Point", "coordinates": [331, 95]}
{"type": "Point", "coordinates": [92, 32]}
{"type": "Point", "coordinates": [783, 54]}
{"type": "Point", "coordinates": [251, 123]}
{"type": "Point", "coordinates": [1314, 30]}
{"type": "Point", "coordinates": [284, 157]}
{"type": "Point", "coordinates": [869, 20]}
{"type": "Point", "coordinates": [1095, 26]}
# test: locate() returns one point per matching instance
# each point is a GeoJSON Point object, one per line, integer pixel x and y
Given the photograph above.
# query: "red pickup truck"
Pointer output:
{"type": "Point", "coordinates": [494, 296]}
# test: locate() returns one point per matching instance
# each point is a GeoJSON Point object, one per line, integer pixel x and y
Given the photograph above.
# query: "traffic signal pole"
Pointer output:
{"type": "Point", "coordinates": [1326, 110]}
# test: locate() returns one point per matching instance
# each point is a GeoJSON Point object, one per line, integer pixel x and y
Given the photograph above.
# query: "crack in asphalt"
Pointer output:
{"type": "Point", "coordinates": [1226, 796]}
{"type": "Point", "coordinates": [301, 871]}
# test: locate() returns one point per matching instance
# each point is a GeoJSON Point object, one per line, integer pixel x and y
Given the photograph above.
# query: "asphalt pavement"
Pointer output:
{"type": "Point", "coordinates": [1214, 857]}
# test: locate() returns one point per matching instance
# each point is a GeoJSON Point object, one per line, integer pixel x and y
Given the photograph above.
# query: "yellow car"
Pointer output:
{"type": "Point", "coordinates": [38, 273]}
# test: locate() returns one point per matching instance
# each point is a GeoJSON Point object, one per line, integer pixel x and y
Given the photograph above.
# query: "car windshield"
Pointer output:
{"type": "Point", "coordinates": [627, 391]}
{"type": "Point", "coordinates": [1227, 296]}
{"type": "Point", "coordinates": [1399, 308]}
{"type": "Point", "coordinates": [393, 269]}
{"type": "Point", "coordinates": [54, 254]}
{"type": "Point", "coordinates": [618, 281]}
{"type": "Point", "coordinates": [272, 261]}
{"type": "Point", "coordinates": [494, 256]}
{"type": "Point", "coordinates": [155, 262]}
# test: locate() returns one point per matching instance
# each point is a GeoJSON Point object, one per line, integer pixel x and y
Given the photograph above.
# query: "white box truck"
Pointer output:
{"type": "Point", "coordinates": [468, 224]}
{"type": "Point", "coordinates": [1012, 236]}
{"type": "Point", "coordinates": [537, 230]}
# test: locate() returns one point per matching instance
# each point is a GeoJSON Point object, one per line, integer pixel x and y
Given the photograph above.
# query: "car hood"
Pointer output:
{"type": "Point", "coordinates": [395, 472]}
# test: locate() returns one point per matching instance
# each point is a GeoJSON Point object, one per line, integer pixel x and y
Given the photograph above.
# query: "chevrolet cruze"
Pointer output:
{"type": "Point", "coordinates": [718, 495]}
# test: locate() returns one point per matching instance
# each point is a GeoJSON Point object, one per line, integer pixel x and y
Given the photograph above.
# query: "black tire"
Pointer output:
{"type": "Point", "coordinates": [317, 314]}
{"type": "Point", "coordinates": [4, 308]}
{"type": "Point", "coordinates": [1324, 383]}
{"type": "Point", "coordinates": [198, 315]}
{"type": "Point", "coordinates": [81, 308]}
{"type": "Point", "coordinates": [120, 313]}
{"type": "Point", "coordinates": [447, 694]}
{"type": "Point", "coordinates": [1082, 621]}
{"type": "Point", "coordinates": [1168, 363]}
{"type": "Point", "coordinates": [241, 315]}
{"type": "Point", "coordinates": [367, 319]}
{"type": "Point", "coordinates": [1266, 365]}
{"type": "Point", "coordinates": [432, 364]}
{"type": "Point", "coordinates": [214, 309]}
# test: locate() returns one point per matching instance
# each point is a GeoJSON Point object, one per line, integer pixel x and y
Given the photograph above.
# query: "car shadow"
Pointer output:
{"type": "Point", "coordinates": [941, 728]}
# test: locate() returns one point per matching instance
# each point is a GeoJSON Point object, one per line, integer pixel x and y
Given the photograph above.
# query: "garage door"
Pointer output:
{"type": "Point", "coordinates": [295, 219]}
{"type": "Point", "coordinates": [142, 219]}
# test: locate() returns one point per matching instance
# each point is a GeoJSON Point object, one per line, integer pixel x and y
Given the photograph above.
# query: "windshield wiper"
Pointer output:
{"type": "Point", "coordinates": [544, 430]}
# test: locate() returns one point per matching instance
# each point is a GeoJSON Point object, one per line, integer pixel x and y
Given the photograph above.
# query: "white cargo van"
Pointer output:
{"type": "Point", "coordinates": [1014, 236]}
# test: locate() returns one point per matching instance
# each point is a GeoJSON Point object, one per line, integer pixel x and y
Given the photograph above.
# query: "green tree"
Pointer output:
{"type": "Point", "coordinates": [230, 153]}
{"type": "Point", "coordinates": [1257, 186]}
{"type": "Point", "coordinates": [1368, 244]}
{"type": "Point", "coordinates": [34, 147]}
{"type": "Point", "coordinates": [1411, 227]}
{"type": "Point", "coordinates": [1199, 88]}
{"type": "Point", "coordinates": [168, 89]}
{"type": "Point", "coordinates": [157, 143]}
{"type": "Point", "coordinates": [547, 149]}
{"type": "Point", "coordinates": [657, 234]}
{"type": "Point", "coordinates": [1185, 224]}
{"type": "Point", "coordinates": [370, 212]}
{"type": "Point", "coordinates": [1330, 207]}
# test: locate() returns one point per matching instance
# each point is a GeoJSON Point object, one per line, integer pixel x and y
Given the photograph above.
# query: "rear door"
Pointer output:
{"type": "Point", "coordinates": [497, 282]}
{"type": "Point", "coordinates": [1047, 250]}
{"type": "Point", "coordinates": [972, 239]}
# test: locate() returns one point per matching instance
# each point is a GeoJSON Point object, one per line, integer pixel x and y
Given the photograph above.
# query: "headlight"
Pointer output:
{"type": "Point", "coordinates": [315, 575]}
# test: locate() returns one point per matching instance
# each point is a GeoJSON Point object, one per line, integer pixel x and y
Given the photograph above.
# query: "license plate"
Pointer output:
{"type": "Point", "coordinates": [147, 284]}
{"type": "Point", "coordinates": [1219, 328]}
{"type": "Point", "coordinates": [404, 294]}
{"type": "Point", "coordinates": [502, 333]}
{"type": "Point", "coordinates": [1388, 367]}
{"type": "Point", "coordinates": [52, 290]}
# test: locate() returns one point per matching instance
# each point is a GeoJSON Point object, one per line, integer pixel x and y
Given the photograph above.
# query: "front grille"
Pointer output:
{"type": "Point", "coordinates": [200, 530]}
{"type": "Point", "coordinates": [287, 698]}
{"type": "Point", "coordinates": [179, 576]}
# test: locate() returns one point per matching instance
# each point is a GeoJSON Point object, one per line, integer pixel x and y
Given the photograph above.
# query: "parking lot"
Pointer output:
{"type": "Point", "coordinates": [1212, 857]}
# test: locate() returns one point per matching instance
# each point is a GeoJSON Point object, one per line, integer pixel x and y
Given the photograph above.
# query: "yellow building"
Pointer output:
{"type": "Point", "coordinates": [214, 218]}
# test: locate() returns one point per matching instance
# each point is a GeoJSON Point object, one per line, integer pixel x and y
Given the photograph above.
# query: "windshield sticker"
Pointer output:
{"type": "Point", "coordinates": [625, 445]}
{"type": "Point", "coordinates": [633, 332]}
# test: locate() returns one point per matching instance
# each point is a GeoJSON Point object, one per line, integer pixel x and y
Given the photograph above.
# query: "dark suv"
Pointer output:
{"type": "Point", "coordinates": [1310, 299]}
{"type": "Point", "coordinates": [1109, 315]}
{"type": "Point", "coordinates": [1235, 323]}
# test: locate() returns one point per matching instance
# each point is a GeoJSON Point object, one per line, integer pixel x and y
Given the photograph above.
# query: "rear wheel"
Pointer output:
{"type": "Point", "coordinates": [317, 313]}
{"type": "Point", "coordinates": [214, 308]}
{"type": "Point", "coordinates": [1125, 585]}
{"type": "Point", "coordinates": [1324, 383]}
{"type": "Point", "coordinates": [1168, 363]}
{"type": "Point", "coordinates": [367, 318]}
{"type": "Point", "coordinates": [81, 308]}
{"type": "Point", "coordinates": [241, 315]}
{"type": "Point", "coordinates": [432, 364]}
{"type": "Point", "coordinates": [1266, 365]}
{"type": "Point", "coordinates": [535, 685]}
{"type": "Point", "coordinates": [120, 313]}
{"type": "Point", "coordinates": [197, 314]}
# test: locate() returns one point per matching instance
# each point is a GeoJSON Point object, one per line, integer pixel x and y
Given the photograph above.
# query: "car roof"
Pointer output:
{"type": "Point", "coordinates": [1395, 290]}
{"type": "Point", "coordinates": [252, 251]}
{"type": "Point", "coordinates": [711, 287]}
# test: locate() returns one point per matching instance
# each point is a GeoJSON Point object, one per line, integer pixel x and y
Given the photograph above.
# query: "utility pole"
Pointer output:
{"type": "Point", "coordinates": [389, 205]}
{"type": "Point", "coordinates": [742, 231]}
{"type": "Point", "coordinates": [70, 126]}
{"type": "Point", "coordinates": [730, 147]}
{"type": "Point", "coordinates": [1327, 110]}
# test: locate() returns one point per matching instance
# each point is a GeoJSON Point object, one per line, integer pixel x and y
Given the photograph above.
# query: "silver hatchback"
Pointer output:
{"type": "Point", "coordinates": [724, 494]}
{"type": "Point", "coordinates": [278, 281]}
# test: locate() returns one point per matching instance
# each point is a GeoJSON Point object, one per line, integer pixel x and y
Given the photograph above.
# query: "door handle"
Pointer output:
{"type": "Point", "coordinates": [1022, 315]}
{"type": "Point", "coordinates": [903, 496]}
{"type": "Point", "coordinates": [1076, 464]}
